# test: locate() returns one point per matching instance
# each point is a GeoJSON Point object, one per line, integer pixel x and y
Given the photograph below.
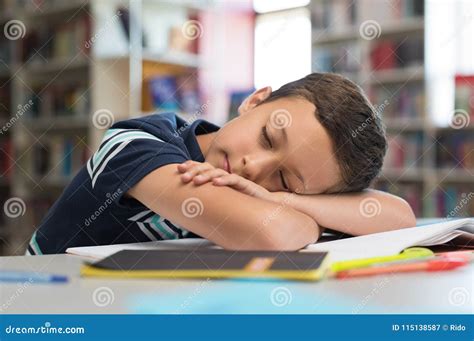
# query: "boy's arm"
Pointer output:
{"type": "Point", "coordinates": [359, 213]}
{"type": "Point", "coordinates": [227, 217]}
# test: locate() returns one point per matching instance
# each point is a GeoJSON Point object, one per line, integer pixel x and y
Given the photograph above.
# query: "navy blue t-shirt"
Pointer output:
{"type": "Point", "coordinates": [92, 209]}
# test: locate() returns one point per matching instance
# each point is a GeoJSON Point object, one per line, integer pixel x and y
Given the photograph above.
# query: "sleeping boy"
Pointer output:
{"type": "Point", "coordinates": [295, 161]}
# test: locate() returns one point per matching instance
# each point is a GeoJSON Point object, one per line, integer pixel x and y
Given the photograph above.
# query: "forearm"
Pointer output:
{"type": "Point", "coordinates": [258, 224]}
{"type": "Point", "coordinates": [360, 213]}
{"type": "Point", "coordinates": [223, 215]}
{"type": "Point", "coordinates": [252, 224]}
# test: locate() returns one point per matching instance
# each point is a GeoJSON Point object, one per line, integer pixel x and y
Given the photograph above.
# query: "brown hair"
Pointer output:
{"type": "Point", "coordinates": [354, 126]}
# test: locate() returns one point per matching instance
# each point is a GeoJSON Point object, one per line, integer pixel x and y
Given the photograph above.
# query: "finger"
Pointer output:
{"type": "Point", "coordinates": [243, 185]}
{"type": "Point", "coordinates": [229, 180]}
{"type": "Point", "coordinates": [208, 175]}
{"type": "Point", "coordinates": [236, 182]}
{"type": "Point", "coordinates": [183, 167]}
{"type": "Point", "coordinates": [195, 170]}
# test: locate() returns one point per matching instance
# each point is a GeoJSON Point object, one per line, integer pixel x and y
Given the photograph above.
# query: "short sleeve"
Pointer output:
{"type": "Point", "coordinates": [125, 156]}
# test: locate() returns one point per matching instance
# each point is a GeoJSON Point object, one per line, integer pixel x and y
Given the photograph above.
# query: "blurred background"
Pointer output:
{"type": "Point", "coordinates": [69, 69]}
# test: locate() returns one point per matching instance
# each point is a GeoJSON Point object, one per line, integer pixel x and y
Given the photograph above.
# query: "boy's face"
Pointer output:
{"type": "Point", "coordinates": [279, 145]}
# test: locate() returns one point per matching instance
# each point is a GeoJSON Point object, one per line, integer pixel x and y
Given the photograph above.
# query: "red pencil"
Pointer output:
{"type": "Point", "coordinates": [431, 265]}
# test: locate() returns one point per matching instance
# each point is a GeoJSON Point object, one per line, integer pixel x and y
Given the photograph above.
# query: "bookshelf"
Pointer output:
{"type": "Point", "coordinates": [6, 106]}
{"type": "Point", "coordinates": [75, 70]}
{"type": "Point", "coordinates": [382, 49]}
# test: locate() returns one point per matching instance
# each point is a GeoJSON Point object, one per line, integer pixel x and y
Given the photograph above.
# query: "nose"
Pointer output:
{"type": "Point", "coordinates": [258, 166]}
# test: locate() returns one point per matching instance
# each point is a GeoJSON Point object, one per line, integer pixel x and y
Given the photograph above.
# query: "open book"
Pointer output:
{"type": "Point", "coordinates": [372, 245]}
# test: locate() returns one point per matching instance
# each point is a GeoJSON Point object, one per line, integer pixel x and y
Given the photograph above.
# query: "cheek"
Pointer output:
{"type": "Point", "coordinates": [238, 140]}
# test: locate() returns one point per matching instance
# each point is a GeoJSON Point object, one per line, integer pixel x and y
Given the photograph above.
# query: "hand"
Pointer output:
{"type": "Point", "coordinates": [201, 173]}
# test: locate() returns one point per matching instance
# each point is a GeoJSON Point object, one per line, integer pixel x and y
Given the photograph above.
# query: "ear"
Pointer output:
{"type": "Point", "coordinates": [254, 99]}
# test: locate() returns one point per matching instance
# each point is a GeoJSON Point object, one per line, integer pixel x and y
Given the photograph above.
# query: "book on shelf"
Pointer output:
{"type": "Point", "coordinates": [185, 39]}
{"type": "Point", "coordinates": [334, 16]}
{"type": "Point", "coordinates": [124, 15]}
{"type": "Point", "coordinates": [57, 41]}
{"type": "Point", "coordinates": [341, 58]}
{"type": "Point", "coordinates": [41, 6]}
{"type": "Point", "coordinates": [464, 95]}
{"type": "Point", "coordinates": [163, 91]}
{"type": "Point", "coordinates": [399, 104]}
{"type": "Point", "coordinates": [188, 94]}
{"type": "Point", "coordinates": [383, 55]}
{"type": "Point", "coordinates": [6, 6]}
{"type": "Point", "coordinates": [236, 99]}
{"type": "Point", "coordinates": [389, 54]}
{"type": "Point", "coordinates": [173, 93]}
{"type": "Point", "coordinates": [6, 158]}
{"type": "Point", "coordinates": [5, 51]}
{"type": "Point", "coordinates": [455, 201]}
{"type": "Point", "coordinates": [343, 15]}
{"type": "Point", "coordinates": [57, 100]}
{"type": "Point", "coordinates": [3, 198]}
{"type": "Point", "coordinates": [58, 157]}
{"type": "Point", "coordinates": [178, 42]}
{"type": "Point", "coordinates": [455, 150]}
{"type": "Point", "coordinates": [404, 150]}
{"type": "Point", "coordinates": [396, 11]}
{"type": "Point", "coordinates": [5, 99]}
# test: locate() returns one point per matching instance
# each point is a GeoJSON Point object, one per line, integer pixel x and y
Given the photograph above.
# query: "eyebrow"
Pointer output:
{"type": "Point", "coordinates": [296, 172]}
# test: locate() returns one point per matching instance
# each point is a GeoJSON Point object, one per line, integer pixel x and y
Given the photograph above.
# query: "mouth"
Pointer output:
{"type": "Point", "coordinates": [226, 165]}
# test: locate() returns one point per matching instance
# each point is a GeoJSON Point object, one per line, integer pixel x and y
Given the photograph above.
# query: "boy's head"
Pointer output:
{"type": "Point", "coordinates": [318, 134]}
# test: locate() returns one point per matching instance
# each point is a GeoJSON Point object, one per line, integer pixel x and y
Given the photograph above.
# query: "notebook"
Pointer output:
{"type": "Point", "coordinates": [99, 252]}
{"type": "Point", "coordinates": [393, 242]}
{"type": "Point", "coordinates": [208, 263]}
{"type": "Point", "coordinates": [373, 245]}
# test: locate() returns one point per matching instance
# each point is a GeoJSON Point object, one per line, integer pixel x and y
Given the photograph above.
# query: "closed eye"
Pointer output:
{"type": "Point", "coordinates": [266, 139]}
{"type": "Point", "coordinates": [283, 182]}
{"type": "Point", "coordinates": [268, 143]}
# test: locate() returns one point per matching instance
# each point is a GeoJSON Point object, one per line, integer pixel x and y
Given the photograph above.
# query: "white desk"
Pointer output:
{"type": "Point", "coordinates": [444, 292]}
